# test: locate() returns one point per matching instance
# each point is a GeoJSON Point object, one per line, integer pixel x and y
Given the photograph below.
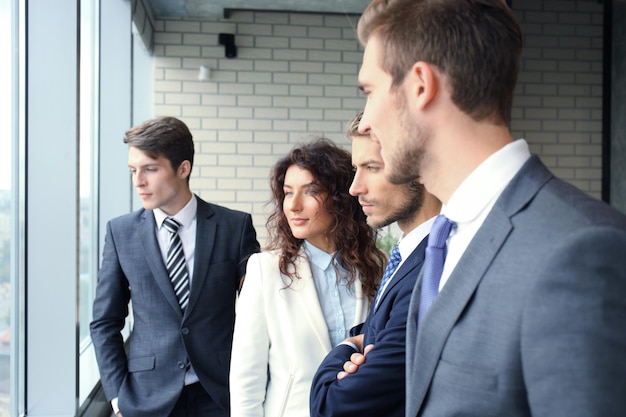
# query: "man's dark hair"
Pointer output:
{"type": "Point", "coordinates": [164, 136]}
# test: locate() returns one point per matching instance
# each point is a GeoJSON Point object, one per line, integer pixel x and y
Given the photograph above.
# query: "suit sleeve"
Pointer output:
{"type": "Point", "coordinates": [249, 243]}
{"type": "Point", "coordinates": [573, 331]}
{"type": "Point", "coordinates": [110, 309]}
{"type": "Point", "coordinates": [249, 360]}
{"type": "Point", "coordinates": [378, 387]}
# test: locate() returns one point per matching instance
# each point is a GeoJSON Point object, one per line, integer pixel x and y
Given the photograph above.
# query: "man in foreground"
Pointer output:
{"type": "Point", "coordinates": [531, 304]}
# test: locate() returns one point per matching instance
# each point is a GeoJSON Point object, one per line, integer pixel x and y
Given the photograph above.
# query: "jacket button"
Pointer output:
{"type": "Point", "coordinates": [185, 330]}
{"type": "Point", "coordinates": [181, 365]}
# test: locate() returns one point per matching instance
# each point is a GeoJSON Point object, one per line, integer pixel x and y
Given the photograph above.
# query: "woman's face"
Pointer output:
{"type": "Point", "coordinates": [303, 206]}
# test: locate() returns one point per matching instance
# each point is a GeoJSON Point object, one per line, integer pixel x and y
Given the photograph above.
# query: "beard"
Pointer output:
{"type": "Point", "coordinates": [410, 205]}
{"type": "Point", "coordinates": [407, 152]}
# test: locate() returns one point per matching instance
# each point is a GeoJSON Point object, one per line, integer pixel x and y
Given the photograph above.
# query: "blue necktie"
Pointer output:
{"type": "Point", "coordinates": [176, 265]}
{"type": "Point", "coordinates": [433, 263]}
{"type": "Point", "coordinates": [392, 265]}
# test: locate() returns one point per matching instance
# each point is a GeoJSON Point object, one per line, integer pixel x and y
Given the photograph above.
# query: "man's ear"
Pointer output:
{"type": "Point", "coordinates": [184, 169]}
{"type": "Point", "coordinates": [423, 84]}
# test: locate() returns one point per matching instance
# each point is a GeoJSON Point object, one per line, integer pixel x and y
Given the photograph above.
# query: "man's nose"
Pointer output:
{"type": "Point", "coordinates": [356, 188]}
{"type": "Point", "coordinates": [364, 125]}
{"type": "Point", "coordinates": [138, 179]}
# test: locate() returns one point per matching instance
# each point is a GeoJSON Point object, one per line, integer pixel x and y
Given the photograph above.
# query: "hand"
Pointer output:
{"type": "Point", "coordinates": [357, 341]}
{"type": "Point", "coordinates": [115, 407]}
{"type": "Point", "coordinates": [356, 360]}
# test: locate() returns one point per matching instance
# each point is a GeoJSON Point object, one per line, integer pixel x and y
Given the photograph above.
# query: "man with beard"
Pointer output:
{"type": "Point", "coordinates": [526, 314]}
{"type": "Point", "coordinates": [378, 387]}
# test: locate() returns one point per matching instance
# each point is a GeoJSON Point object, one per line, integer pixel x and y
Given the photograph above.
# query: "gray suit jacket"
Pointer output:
{"type": "Point", "coordinates": [149, 377]}
{"type": "Point", "coordinates": [532, 321]}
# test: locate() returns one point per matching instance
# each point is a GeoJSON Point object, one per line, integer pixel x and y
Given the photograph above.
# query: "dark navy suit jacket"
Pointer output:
{"type": "Point", "coordinates": [378, 388]}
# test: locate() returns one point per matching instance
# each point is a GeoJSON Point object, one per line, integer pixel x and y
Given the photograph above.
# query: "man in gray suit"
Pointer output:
{"type": "Point", "coordinates": [530, 313]}
{"type": "Point", "coordinates": [176, 362]}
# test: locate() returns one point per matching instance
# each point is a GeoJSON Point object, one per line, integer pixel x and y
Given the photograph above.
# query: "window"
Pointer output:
{"type": "Point", "coordinates": [50, 149]}
{"type": "Point", "coordinates": [7, 204]}
{"type": "Point", "coordinates": [88, 247]}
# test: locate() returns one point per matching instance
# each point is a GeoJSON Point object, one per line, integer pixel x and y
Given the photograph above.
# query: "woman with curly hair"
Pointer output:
{"type": "Point", "coordinates": [313, 282]}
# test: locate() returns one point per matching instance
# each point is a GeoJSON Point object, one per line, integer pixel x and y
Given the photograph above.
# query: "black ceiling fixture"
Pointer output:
{"type": "Point", "coordinates": [228, 40]}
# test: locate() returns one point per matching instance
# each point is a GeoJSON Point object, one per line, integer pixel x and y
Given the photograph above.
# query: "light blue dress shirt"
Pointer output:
{"type": "Point", "coordinates": [338, 301]}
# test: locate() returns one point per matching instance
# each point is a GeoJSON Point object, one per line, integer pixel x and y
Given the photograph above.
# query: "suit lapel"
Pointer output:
{"type": "Point", "coordinates": [362, 303]}
{"type": "Point", "coordinates": [154, 258]}
{"type": "Point", "coordinates": [452, 300]}
{"type": "Point", "coordinates": [304, 294]}
{"type": "Point", "coordinates": [415, 259]}
{"type": "Point", "coordinates": [206, 230]}
{"type": "Point", "coordinates": [455, 296]}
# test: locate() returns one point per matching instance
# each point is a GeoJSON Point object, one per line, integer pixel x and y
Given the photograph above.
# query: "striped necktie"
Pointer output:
{"type": "Point", "coordinates": [392, 265]}
{"type": "Point", "coordinates": [176, 266]}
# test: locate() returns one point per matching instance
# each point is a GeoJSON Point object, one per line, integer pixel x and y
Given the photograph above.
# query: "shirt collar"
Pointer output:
{"type": "Point", "coordinates": [486, 182]}
{"type": "Point", "coordinates": [409, 242]}
{"type": "Point", "coordinates": [185, 216]}
{"type": "Point", "coordinates": [318, 257]}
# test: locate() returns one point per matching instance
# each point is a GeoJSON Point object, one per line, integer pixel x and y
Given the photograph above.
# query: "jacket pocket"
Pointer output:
{"type": "Point", "coordinates": [283, 406]}
{"type": "Point", "coordinates": [141, 363]}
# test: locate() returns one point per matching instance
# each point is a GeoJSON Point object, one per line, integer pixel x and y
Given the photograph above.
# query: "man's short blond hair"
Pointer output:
{"type": "Point", "coordinates": [352, 130]}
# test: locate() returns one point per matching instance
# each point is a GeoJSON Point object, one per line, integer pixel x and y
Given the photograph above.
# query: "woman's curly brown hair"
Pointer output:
{"type": "Point", "coordinates": [355, 241]}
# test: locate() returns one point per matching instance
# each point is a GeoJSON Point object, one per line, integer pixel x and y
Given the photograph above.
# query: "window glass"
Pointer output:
{"type": "Point", "coordinates": [88, 256]}
{"type": "Point", "coordinates": [88, 204]}
{"type": "Point", "coordinates": [6, 205]}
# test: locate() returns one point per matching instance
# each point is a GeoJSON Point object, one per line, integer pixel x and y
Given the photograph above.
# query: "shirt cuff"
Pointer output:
{"type": "Point", "coordinates": [352, 345]}
{"type": "Point", "coordinates": [116, 409]}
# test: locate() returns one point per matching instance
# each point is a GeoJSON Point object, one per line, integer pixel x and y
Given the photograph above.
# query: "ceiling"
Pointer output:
{"type": "Point", "coordinates": [179, 9]}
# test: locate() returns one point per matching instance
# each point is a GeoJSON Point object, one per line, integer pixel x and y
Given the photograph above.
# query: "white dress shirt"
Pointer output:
{"type": "Point", "coordinates": [407, 244]}
{"type": "Point", "coordinates": [472, 201]}
{"type": "Point", "coordinates": [187, 232]}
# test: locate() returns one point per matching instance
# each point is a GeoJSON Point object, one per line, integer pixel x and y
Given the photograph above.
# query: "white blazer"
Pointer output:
{"type": "Point", "coordinates": [280, 339]}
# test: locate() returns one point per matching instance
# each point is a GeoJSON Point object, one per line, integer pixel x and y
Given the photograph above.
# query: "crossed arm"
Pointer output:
{"type": "Point", "coordinates": [357, 358]}
{"type": "Point", "coordinates": [370, 381]}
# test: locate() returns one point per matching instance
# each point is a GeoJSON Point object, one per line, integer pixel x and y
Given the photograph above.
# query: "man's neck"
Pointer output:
{"type": "Point", "coordinates": [453, 160]}
{"type": "Point", "coordinates": [430, 208]}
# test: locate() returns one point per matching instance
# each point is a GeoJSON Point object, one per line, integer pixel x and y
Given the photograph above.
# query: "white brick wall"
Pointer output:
{"type": "Point", "coordinates": [558, 102]}
{"type": "Point", "coordinates": [295, 77]}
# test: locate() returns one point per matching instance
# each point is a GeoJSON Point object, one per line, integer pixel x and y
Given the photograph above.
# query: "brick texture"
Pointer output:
{"type": "Point", "coordinates": [295, 78]}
